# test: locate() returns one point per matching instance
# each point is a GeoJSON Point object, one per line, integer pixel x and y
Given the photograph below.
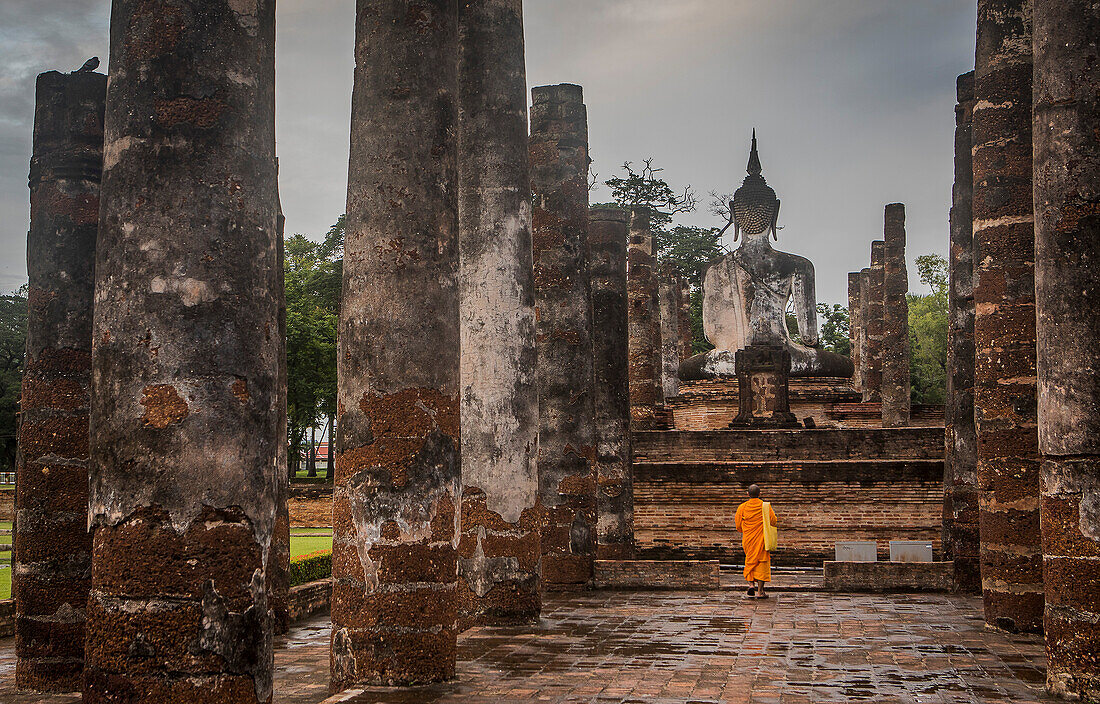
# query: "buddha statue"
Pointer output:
{"type": "Point", "coordinates": [746, 293]}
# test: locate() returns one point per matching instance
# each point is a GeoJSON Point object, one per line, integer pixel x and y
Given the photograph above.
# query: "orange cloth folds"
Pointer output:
{"type": "Point", "coordinates": [750, 521]}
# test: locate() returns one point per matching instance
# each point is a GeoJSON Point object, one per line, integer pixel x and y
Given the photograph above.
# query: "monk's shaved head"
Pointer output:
{"type": "Point", "coordinates": [754, 492]}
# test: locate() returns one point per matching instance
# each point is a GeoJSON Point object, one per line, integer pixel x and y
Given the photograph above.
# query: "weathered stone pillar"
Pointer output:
{"type": "Point", "coordinates": [669, 304]}
{"type": "Point", "coordinates": [567, 470]}
{"type": "Point", "coordinates": [499, 558]}
{"type": "Point", "coordinates": [397, 475]}
{"type": "Point", "coordinates": [687, 334]}
{"type": "Point", "coordinates": [1004, 321]}
{"type": "Point", "coordinates": [53, 548]}
{"type": "Point", "coordinates": [278, 560]}
{"type": "Point", "coordinates": [960, 503]}
{"type": "Point", "coordinates": [873, 324]}
{"type": "Point", "coordinates": [644, 324]}
{"type": "Point", "coordinates": [1067, 287]}
{"type": "Point", "coordinates": [186, 354]}
{"type": "Point", "coordinates": [895, 322]}
{"type": "Point", "coordinates": [855, 327]}
{"type": "Point", "coordinates": [608, 231]}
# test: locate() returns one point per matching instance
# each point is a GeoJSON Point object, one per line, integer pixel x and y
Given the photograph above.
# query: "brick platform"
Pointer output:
{"type": "Point", "coordinates": [684, 575]}
{"type": "Point", "coordinates": [890, 576]}
{"type": "Point", "coordinates": [7, 504]}
{"type": "Point", "coordinates": [859, 484]}
{"type": "Point", "coordinates": [310, 505]}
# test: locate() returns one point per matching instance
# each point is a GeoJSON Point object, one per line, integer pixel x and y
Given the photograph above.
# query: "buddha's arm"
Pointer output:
{"type": "Point", "coordinates": [805, 303]}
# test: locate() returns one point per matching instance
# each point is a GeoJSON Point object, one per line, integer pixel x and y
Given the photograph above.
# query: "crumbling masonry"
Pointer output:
{"type": "Point", "coordinates": [53, 549]}
{"type": "Point", "coordinates": [186, 351]}
{"type": "Point", "coordinates": [960, 506]}
{"type": "Point", "coordinates": [608, 230]}
{"type": "Point", "coordinates": [895, 322]}
{"type": "Point", "coordinates": [1067, 286]}
{"type": "Point", "coordinates": [499, 547]}
{"type": "Point", "coordinates": [644, 324]}
{"type": "Point", "coordinates": [1005, 404]}
{"type": "Point", "coordinates": [871, 315]}
{"type": "Point", "coordinates": [398, 484]}
{"type": "Point", "coordinates": [567, 450]}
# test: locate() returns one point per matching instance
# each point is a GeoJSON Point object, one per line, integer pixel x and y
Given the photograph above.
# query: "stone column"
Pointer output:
{"type": "Point", "coordinates": [1004, 320]}
{"type": "Point", "coordinates": [895, 322]}
{"type": "Point", "coordinates": [855, 327]}
{"type": "Point", "coordinates": [644, 324]}
{"type": "Point", "coordinates": [278, 573]}
{"type": "Point", "coordinates": [186, 353]}
{"type": "Point", "coordinates": [669, 304]}
{"type": "Point", "coordinates": [53, 548]}
{"type": "Point", "coordinates": [566, 464]}
{"type": "Point", "coordinates": [960, 504]}
{"type": "Point", "coordinates": [687, 334]}
{"type": "Point", "coordinates": [1067, 286]}
{"type": "Point", "coordinates": [398, 483]}
{"type": "Point", "coordinates": [499, 559]}
{"type": "Point", "coordinates": [608, 230]}
{"type": "Point", "coordinates": [873, 324]}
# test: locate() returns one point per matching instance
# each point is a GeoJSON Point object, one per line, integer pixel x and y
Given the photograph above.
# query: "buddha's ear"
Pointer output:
{"type": "Point", "coordinates": [736, 230]}
{"type": "Point", "coordinates": [775, 221]}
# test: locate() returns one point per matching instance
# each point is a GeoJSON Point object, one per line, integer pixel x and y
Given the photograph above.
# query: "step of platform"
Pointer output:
{"type": "Point", "coordinates": [786, 470]}
{"type": "Point", "coordinates": [760, 445]}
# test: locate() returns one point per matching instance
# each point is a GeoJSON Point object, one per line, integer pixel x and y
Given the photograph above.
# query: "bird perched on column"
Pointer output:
{"type": "Point", "coordinates": [89, 65]}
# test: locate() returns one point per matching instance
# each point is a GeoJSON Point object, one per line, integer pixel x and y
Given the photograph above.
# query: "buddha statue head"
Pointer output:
{"type": "Point", "coordinates": [755, 207]}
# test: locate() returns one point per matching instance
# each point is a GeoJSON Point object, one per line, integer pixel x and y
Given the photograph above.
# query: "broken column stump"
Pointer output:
{"type": "Point", "coordinates": [1067, 287]}
{"type": "Point", "coordinates": [644, 323]}
{"type": "Point", "coordinates": [855, 327]}
{"type": "Point", "coordinates": [895, 322]}
{"type": "Point", "coordinates": [186, 355]}
{"type": "Point", "coordinates": [499, 558]}
{"type": "Point", "coordinates": [53, 548]}
{"type": "Point", "coordinates": [960, 504]}
{"type": "Point", "coordinates": [567, 452]}
{"type": "Point", "coordinates": [608, 231]}
{"type": "Point", "coordinates": [398, 483]}
{"type": "Point", "coordinates": [872, 316]}
{"type": "Point", "coordinates": [1004, 319]}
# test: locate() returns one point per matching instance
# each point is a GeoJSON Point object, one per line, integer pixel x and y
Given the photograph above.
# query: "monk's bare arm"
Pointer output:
{"type": "Point", "coordinates": [774, 519]}
{"type": "Point", "coordinates": [804, 297]}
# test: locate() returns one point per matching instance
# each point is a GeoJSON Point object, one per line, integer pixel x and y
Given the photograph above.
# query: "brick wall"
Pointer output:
{"type": "Point", "coordinates": [309, 599]}
{"type": "Point", "coordinates": [7, 617]}
{"type": "Point", "coordinates": [685, 575]}
{"type": "Point", "coordinates": [889, 576]}
{"type": "Point", "coordinates": [7, 504]}
{"type": "Point", "coordinates": [853, 484]}
{"type": "Point", "coordinates": [310, 506]}
{"type": "Point", "coordinates": [831, 402]}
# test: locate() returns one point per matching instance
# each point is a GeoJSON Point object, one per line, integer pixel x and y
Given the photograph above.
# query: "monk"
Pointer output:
{"type": "Point", "coordinates": [758, 561]}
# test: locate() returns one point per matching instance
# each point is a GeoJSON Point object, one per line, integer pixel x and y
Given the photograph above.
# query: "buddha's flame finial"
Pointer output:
{"type": "Point", "coordinates": [754, 157]}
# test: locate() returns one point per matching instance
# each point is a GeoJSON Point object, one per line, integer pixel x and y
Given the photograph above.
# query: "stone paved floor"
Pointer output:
{"type": "Point", "coordinates": [703, 647]}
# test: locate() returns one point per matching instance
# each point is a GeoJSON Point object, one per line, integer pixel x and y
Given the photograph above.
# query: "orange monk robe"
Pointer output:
{"type": "Point", "coordinates": [750, 521]}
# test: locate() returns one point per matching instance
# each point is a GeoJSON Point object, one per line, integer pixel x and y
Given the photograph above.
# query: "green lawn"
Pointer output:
{"type": "Point", "coordinates": [303, 545]}
{"type": "Point", "coordinates": [5, 581]}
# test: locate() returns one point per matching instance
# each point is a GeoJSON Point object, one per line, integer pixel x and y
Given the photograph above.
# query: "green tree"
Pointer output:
{"type": "Point", "coordinates": [832, 328]}
{"type": "Point", "coordinates": [13, 341]}
{"type": "Point", "coordinates": [928, 322]}
{"type": "Point", "coordinates": [314, 277]}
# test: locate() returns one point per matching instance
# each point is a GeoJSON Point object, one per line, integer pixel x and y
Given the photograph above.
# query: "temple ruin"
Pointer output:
{"type": "Point", "coordinates": [524, 412]}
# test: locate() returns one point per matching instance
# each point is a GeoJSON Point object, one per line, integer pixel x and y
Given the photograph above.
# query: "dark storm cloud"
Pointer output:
{"type": "Point", "coordinates": [853, 101]}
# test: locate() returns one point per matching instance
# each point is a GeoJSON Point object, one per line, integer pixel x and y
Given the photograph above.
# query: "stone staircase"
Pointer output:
{"type": "Point", "coordinates": [825, 485]}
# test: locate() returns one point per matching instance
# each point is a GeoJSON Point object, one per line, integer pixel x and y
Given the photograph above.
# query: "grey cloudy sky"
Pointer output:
{"type": "Point", "coordinates": [852, 100]}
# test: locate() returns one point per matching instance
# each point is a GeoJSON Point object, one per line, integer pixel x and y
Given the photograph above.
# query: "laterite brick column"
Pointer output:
{"type": "Point", "coordinates": [855, 327]}
{"type": "Point", "coordinates": [499, 557]}
{"type": "Point", "coordinates": [895, 322]}
{"type": "Point", "coordinates": [686, 333]}
{"type": "Point", "coordinates": [53, 548]}
{"type": "Point", "coordinates": [567, 441]}
{"type": "Point", "coordinates": [608, 231]}
{"type": "Point", "coordinates": [960, 485]}
{"type": "Point", "coordinates": [644, 324]}
{"type": "Point", "coordinates": [871, 356]}
{"type": "Point", "coordinates": [669, 304]}
{"type": "Point", "coordinates": [1004, 319]}
{"type": "Point", "coordinates": [186, 354]}
{"type": "Point", "coordinates": [1067, 287]}
{"type": "Point", "coordinates": [278, 560]}
{"type": "Point", "coordinates": [398, 483]}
